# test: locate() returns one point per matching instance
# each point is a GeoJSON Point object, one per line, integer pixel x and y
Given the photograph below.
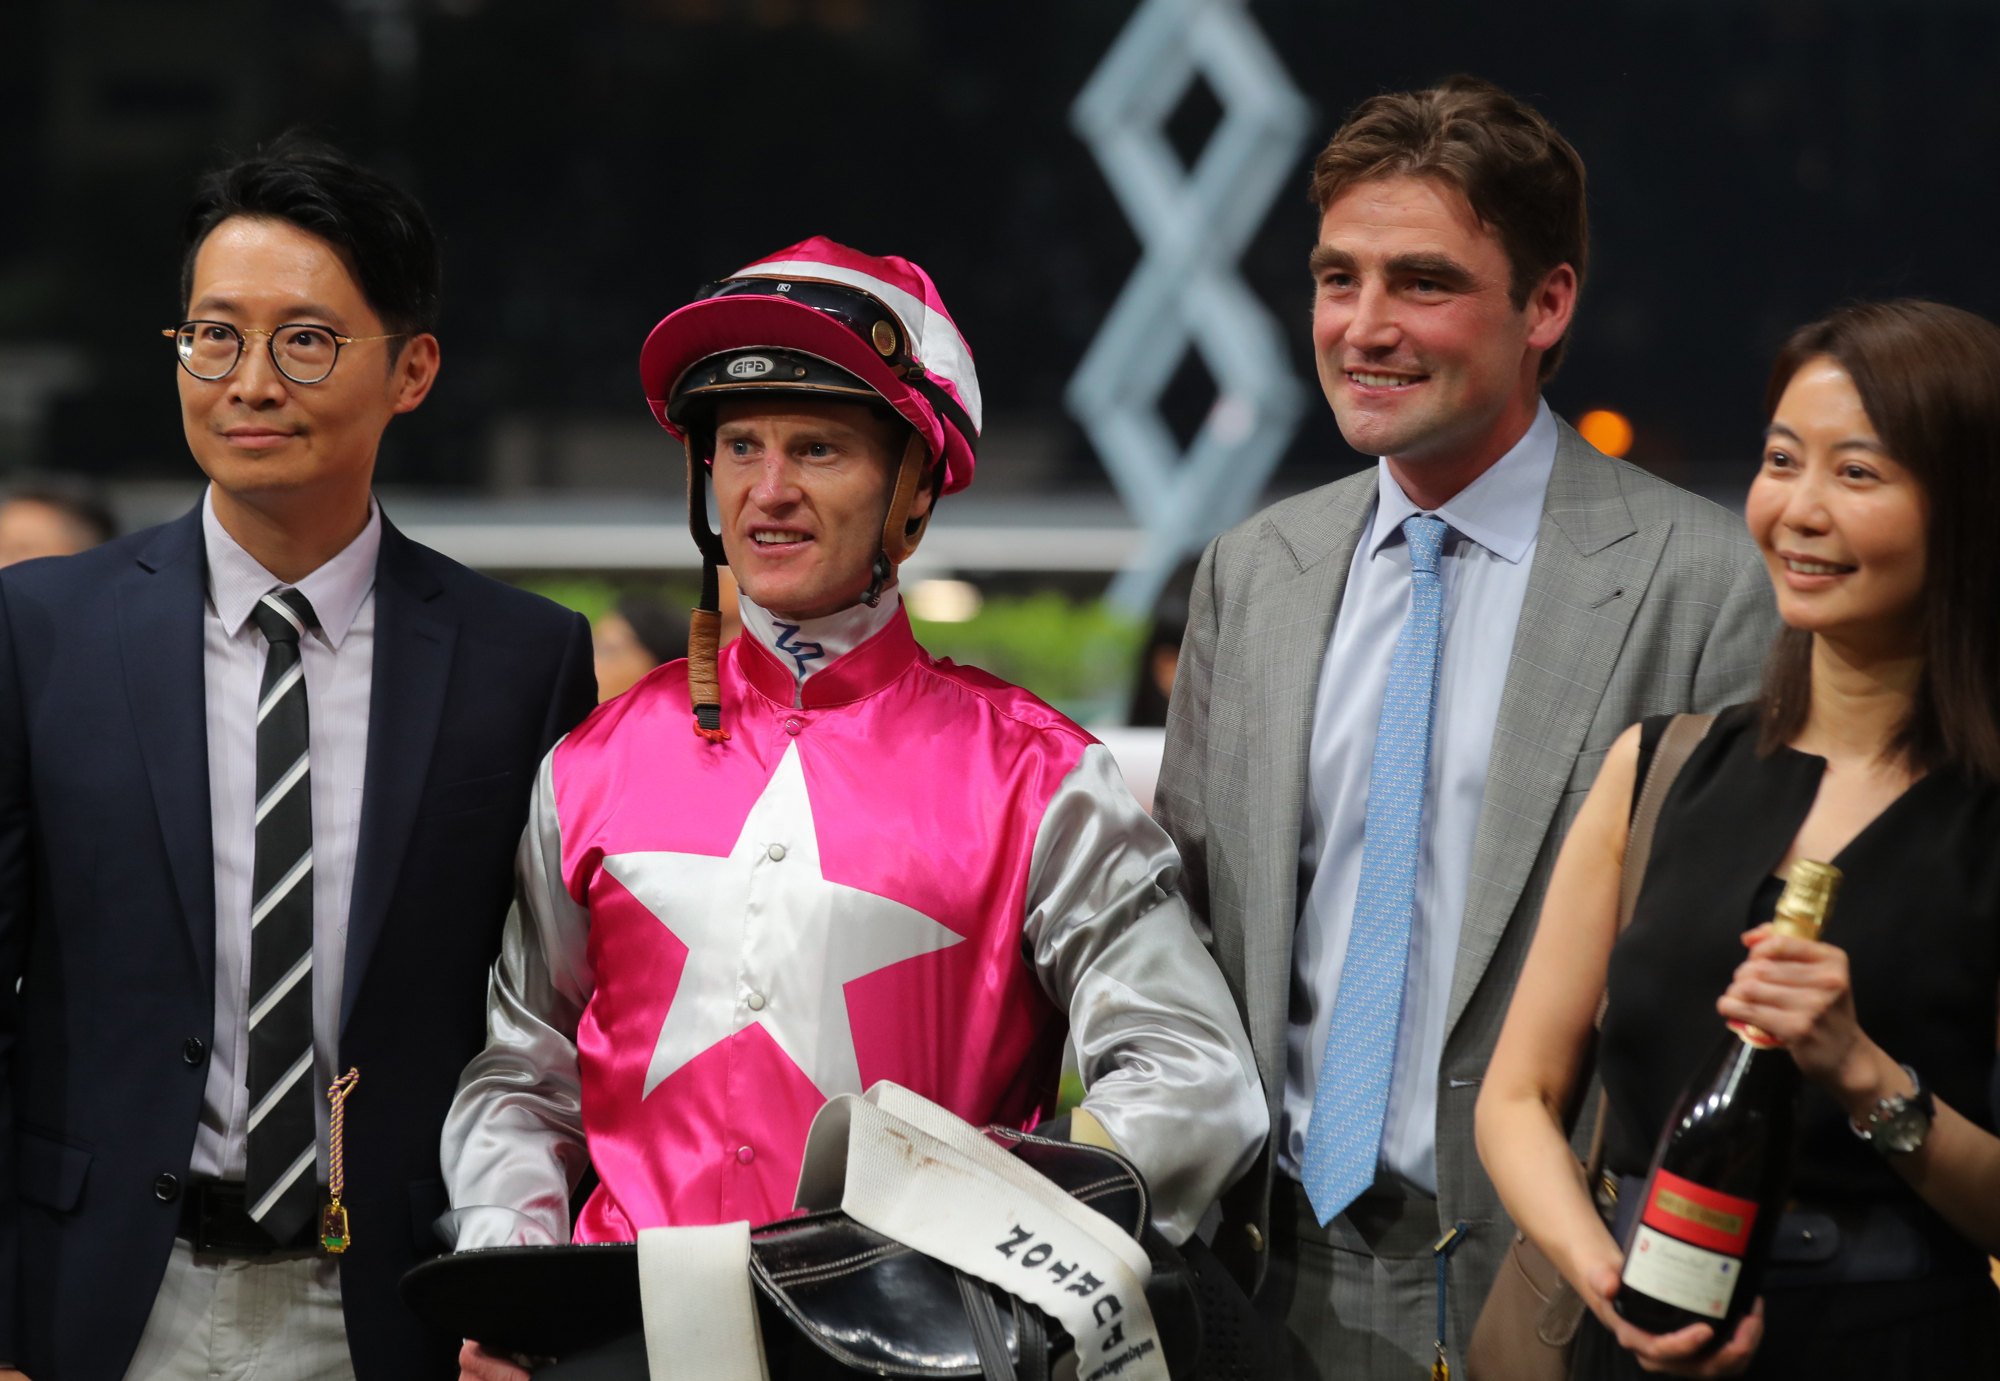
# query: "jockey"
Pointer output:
{"type": "Point", "coordinates": [818, 857]}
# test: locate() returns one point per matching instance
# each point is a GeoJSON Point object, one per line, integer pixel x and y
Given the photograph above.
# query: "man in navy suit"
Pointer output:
{"type": "Point", "coordinates": [262, 773]}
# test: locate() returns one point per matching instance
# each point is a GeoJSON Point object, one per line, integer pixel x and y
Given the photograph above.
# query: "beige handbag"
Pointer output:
{"type": "Point", "coordinates": [1527, 1328]}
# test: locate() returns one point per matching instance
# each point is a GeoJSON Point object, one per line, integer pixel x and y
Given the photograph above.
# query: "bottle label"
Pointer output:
{"type": "Point", "coordinates": [1675, 1273]}
{"type": "Point", "coordinates": [1699, 1215]}
{"type": "Point", "coordinates": [1690, 1243]}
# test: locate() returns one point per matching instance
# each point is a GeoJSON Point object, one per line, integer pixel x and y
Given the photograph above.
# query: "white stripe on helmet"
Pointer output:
{"type": "Point", "coordinates": [938, 343]}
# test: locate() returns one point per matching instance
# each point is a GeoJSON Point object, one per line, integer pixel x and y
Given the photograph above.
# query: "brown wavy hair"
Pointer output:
{"type": "Point", "coordinates": [1522, 179]}
{"type": "Point", "coordinates": [1929, 378]}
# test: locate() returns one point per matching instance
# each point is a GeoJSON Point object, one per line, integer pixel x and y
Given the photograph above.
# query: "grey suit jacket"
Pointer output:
{"type": "Point", "coordinates": [1642, 599]}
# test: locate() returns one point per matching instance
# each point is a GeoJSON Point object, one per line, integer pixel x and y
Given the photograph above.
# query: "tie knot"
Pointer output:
{"type": "Point", "coordinates": [1425, 533]}
{"type": "Point", "coordinates": [282, 615]}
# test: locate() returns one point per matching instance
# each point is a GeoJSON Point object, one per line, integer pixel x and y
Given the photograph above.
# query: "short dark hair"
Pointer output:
{"type": "Point", "coordinates": [1929, 378]}
{"type": "Point", "coordinates": [1521, 178]}
{"type": "Point", "coordinates": [80, 502]}
{"type": "Point", "coordinates": [380, 231]}
{"type": "Point", "coordinates": [658, 627]}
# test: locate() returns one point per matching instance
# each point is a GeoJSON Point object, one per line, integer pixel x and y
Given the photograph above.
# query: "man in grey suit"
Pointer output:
{"type": "Point", "coordinates": [1394, 693]}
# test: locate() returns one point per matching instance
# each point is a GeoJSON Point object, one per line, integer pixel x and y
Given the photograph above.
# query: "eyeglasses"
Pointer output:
{"type": "Point", "coordinates": [302, 352]}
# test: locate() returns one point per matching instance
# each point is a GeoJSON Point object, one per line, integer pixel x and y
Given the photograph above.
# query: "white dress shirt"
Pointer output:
{"type": "Point", "coordinates": [1484, 569]}
{"type": "Point", "coordinates": [339, 658]}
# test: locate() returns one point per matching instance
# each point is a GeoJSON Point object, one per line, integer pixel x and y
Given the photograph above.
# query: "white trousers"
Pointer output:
{"type": "Point", "coordinates": [220, 1319]}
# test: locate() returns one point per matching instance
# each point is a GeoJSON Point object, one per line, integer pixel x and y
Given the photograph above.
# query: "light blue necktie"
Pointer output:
{"type": "Point", "coordinates": [1344, 1138]}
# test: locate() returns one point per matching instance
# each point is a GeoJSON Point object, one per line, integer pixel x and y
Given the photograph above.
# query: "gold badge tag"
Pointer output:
{"type": "Point", "coordinates": [333, 1238]}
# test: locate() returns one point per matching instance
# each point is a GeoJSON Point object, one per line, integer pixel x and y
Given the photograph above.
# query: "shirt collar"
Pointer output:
{"type": "Point", "coordinates": [1501, 510]}
{"type": "Point", "coordinates": [812, 645]}
{"type": "Point", "coordinates": [237, 580]}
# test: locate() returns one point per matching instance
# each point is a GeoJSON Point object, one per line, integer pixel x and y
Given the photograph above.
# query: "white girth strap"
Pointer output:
{"type": "Point", "coordinates": [695, 1294]}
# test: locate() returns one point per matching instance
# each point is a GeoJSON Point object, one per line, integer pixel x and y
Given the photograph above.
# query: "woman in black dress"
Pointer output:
{"type": "Point", "coordinates": [1876, 746]}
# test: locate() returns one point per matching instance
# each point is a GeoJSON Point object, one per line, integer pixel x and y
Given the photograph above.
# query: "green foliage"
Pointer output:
{"type": "Point", "coordinates": [588, 597]}
{"type": "Point", "coordinates": [591, 596]}
{"type": "Point", "coordinates": [1071, 1092]}
{"type": "Point", "coordinates": [1079, 655]}
{"type": "Point", "coordinates": [1076, 654]}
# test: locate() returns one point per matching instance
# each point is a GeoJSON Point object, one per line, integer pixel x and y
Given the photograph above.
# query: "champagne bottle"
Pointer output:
{"type": "Point", "coordinates": [1723, 1166]}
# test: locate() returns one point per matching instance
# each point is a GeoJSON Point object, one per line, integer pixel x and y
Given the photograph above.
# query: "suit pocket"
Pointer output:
{"type": "Point", "coordinates": [508, 790]}
{"type": "Point", "coordinates": [51, 1172]}
{"type": "Point", "coordinates": [1583, 772]}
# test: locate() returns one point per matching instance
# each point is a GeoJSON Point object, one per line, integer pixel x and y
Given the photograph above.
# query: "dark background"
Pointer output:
{"type": "Point", "coordinates": [589, 162]}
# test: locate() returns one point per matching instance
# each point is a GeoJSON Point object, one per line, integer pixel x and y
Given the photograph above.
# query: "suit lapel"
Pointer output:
{"type": "Point", "coordinates": [1592, 566]}
{"type": "Point", "coordinates": [160, 611]}
{"type": "Point", "coordinates": [1288, 624]}
{"type": "Point", "coordinates": [413, 647]}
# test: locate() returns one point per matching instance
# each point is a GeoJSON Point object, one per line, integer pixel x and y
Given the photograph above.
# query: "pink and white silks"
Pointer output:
{"type": "Point", "coordinates": [896, 868]}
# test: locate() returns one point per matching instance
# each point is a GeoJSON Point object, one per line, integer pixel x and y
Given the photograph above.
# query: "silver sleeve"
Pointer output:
{"type": "Point", "coordinates": [513, 1145]}
{"type": "Point", "coordinates": [1166, 1066]}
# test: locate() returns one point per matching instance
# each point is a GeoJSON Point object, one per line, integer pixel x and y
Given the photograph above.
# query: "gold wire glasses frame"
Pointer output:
{"type": "Point", "coordinates": [301, 351]}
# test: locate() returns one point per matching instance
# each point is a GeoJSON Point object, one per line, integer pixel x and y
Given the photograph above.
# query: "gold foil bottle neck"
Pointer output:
{"type": "Point", "coordinates": [1802, 911]}
{"type": "Point", "coordinates": [1809, 894]}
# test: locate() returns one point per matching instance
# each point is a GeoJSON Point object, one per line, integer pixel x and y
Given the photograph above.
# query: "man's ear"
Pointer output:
{"type": "Point", "coordinates": [926, 495]}
{"type": "Point", "coordinates": [1550, 307]}
{"type": "Point", "coordinates": [415, 371]}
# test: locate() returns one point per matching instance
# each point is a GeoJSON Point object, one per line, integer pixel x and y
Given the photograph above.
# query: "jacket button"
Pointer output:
{"type": "Point", "coordinates": [166, 1188]}
{"type": "Point", "coordinates": [193, 1050]}
{"type": "Point", "coordinates": [1256, 1236]}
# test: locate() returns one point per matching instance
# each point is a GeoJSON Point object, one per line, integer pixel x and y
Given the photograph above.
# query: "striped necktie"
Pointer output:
{"type": "Point", "coordinates": [279, 1182]}
{"type": "Point", "coordinates": [1344, 1137]}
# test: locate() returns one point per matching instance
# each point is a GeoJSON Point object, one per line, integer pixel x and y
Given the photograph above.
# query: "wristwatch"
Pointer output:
{"type": "Point", "coordinates": [1898, 1124]}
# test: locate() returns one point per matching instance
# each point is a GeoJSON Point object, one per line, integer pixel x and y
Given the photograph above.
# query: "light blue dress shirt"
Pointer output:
{"type": "Point", "coordinates": [1487, 557]}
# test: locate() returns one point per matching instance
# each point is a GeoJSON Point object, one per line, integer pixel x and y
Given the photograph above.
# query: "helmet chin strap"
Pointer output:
{"type": "Point", "coordinates": [900, 532]}
{"type": "Point", "coordinates": [705, 619]}
{"type": "Point", "coordinates": [900, 535]}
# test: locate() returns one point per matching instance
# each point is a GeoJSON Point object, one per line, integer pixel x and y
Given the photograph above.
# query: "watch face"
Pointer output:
{"type": "Point", "coordinates": [1902, 1131]}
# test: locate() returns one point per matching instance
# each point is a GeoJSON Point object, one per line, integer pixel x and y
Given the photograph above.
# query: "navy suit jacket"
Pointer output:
{"type": "Point", "coordinates": [107, 916]}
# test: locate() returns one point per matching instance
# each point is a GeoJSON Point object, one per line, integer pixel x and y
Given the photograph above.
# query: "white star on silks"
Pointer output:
{"type": "Point", "coordinates": [764, 921]}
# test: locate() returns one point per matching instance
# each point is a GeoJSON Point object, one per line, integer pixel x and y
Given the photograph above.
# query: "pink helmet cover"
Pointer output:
{"type": "Point", "coordinates": [712, 325]}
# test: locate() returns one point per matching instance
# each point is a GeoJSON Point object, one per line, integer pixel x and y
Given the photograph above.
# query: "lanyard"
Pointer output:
{"type": "Point", "coordinates": [1442, 1250]}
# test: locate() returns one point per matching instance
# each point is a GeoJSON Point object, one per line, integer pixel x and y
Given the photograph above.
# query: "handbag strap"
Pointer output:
{"type": "Point", "coordinates": [1683, 734]}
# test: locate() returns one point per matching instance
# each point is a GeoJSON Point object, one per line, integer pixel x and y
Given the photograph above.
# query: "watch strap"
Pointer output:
{"type": "Point", "coordinates": [1899, 1123]}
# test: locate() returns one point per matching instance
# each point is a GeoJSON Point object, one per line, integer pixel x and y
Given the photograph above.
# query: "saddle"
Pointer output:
{"type": "Point", "coordinates": [835, 1296]}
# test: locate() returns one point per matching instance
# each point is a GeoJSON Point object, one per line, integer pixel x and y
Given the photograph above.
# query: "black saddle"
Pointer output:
{"type": "Point", "coordinates": [837, 1299]}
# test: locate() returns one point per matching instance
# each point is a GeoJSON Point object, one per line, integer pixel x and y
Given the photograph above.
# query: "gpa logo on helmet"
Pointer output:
{"type": "Point", "coordinates": [749, 367]}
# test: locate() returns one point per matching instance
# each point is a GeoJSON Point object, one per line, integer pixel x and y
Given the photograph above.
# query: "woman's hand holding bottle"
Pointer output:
{"type": "Point", "coordinates": [1680, 1353]}
{"type": "Point", "coordinates": [1799, 992]}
